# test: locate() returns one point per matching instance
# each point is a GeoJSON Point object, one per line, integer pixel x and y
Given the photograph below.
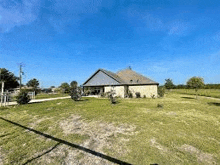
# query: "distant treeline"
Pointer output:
{"type": "Point", "coordinates": [206, 86]}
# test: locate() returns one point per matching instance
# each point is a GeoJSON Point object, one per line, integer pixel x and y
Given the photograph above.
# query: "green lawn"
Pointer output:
{"type": "Point", "coordinates": [201, 92]}
{"type": "Point", "coordinates": [136, 131]}
{"type": "Point", "coordinates": [45, 95]}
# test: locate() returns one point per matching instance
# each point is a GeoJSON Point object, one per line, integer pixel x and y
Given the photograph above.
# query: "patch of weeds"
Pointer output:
{"type": "Point", "coordinates": [159, 105]}
{"type": "Point", "coordinates": [4, 108]}
{"type": "Point", "coordinates": [153, 96]}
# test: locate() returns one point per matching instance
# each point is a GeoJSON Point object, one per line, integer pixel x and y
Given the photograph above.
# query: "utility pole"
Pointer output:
{"type": "Point", "coordinates": [20, 75]}
{"type": "Point", "coordinates": [3, 84]}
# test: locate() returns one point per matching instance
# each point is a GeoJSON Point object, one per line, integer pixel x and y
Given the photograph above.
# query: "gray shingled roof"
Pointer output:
{"type": "Point", "coordinates": [126, 76]}
{"type": "Point", "coordinates": [131, 77]}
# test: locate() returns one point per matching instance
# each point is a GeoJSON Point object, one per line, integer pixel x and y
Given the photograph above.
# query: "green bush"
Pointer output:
{"type": "Point", "coordinates": [75, 94]}
{"type": "Point", "coordinates": [104, 94]}
{"type": "Point", "coordinates": [111, 96]}
{"type": "Point", "coordinates": [159, 105]}
{"type": "Point", "coordinates": [161, 91]}
{"type": "Point", "coordinates": [138, 95]}
{"type": "Point", "coordinates": [23, 98]}
{"type": "Point", "coordinates": [130, 95]}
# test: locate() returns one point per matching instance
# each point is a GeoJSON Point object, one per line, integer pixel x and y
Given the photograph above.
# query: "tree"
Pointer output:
{"type": "Point", "coordinates": [10, 80]}
{"type": "Point", "coordinates": [161, 91]}
{"type": "Point", "coordinates": [169, 84]}
{"type": "Point", "coordinates": [33, 83]}
{"type": "Point", "coordinates": [195, 83]}
{"type": "Point", "coordinates": [73, 84]}
{"type": "Point", "coordinates": [65, 87]}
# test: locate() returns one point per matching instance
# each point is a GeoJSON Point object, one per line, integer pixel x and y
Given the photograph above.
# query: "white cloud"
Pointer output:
{"type": "Point", "coordinates": [14, 13]}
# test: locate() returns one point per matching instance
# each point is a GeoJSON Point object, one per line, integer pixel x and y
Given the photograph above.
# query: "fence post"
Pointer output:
{"type": "Point", "coordinates": [5, 95]}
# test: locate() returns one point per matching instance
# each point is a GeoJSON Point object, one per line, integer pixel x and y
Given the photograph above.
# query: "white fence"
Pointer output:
{"type": "Point", "coordinates": [5, 98]}
{"type": "Point", "coordinates": [32, 95]}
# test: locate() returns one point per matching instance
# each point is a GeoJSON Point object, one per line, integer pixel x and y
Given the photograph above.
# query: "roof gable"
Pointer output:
{"type": "Point", "coordinates": [102, 77]}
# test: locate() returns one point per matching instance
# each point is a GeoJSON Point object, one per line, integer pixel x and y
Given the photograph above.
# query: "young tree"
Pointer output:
{"type": "Point", "coordinates": [73, 84]}
{"type": "Point", "coordinates": [65, 87]}
{"type": "Point", "coordinates": [34, 83]}
{"type": "Point", "coordinates": [169, 84]}
{"type": "Point", "coordinates": [23, 97]}
{"type": "Point", "coordinates": [195, 83]}
{"type": "Point", "coordinates": [161, 91]}
{"type": "Point", "coordinates": [9, 79]}
{"type": "Point", "coordinates": [75, 94]}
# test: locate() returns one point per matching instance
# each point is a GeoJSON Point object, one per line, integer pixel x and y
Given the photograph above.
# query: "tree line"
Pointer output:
{"type": "Point", "coordinates": [169, 84]}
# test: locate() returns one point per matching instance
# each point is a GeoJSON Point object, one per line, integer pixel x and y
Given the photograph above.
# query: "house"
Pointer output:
{"type": "Point", "coordinates": [121, 82]}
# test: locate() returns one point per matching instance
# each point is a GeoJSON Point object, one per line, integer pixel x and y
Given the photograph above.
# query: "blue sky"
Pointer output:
{"type": "Point", "coordinates": [65, 40]}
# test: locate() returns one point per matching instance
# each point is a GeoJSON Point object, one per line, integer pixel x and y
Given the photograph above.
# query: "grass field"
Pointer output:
{"type": "Point", "coordinates": [201, 92]}
{"type": "Point", "coordinates": [45, 95]}
{"type": "Point", "coordinates": [136, 131]}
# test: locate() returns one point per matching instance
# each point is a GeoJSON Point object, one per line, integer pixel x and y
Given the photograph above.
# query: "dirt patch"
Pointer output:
{"type": "Point", "coordinates": [172, 113]}
{"type": "Point", "coordinates": [1, 157]}
{"type": "Point", "coordinates": [102, 138]}
{"type": "Point", "coordinates": [202, 157]}
{"type": "Point", "coordinates": [59, 103]}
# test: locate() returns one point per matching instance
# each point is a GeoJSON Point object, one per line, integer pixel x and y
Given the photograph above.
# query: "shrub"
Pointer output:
{"type": "Point", "coordinates": [23, 98]}
{"type": "Point", "coordinates": [104, 94]}
{"type": "Point", "coordinates": [161, 91]}
{"type": "Point", "coordinates": [75, 94]}
{"type": "Point", "coordinates": [138, 95]}
{"type": "Point", "coordinates": [144, 96]}
{"type": "Point", "coordinates": [159, 105]}
{"type": "Point", "coordinates": [130, 95]}
{"type": "Point", "coordinates": [153, 96]}
{"type": "Point", "coordinates": [111, 97]}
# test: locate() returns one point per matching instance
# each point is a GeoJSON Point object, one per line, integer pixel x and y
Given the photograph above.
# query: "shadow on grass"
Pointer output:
{"type": "Point", "coordinates": [187, 97]}
{"type": "Point", "coordinates": [30, 160]}
{"type": "Point", "coordinates": [60, 141]}
{"type": "Point", "coordinates": [214, 103]}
